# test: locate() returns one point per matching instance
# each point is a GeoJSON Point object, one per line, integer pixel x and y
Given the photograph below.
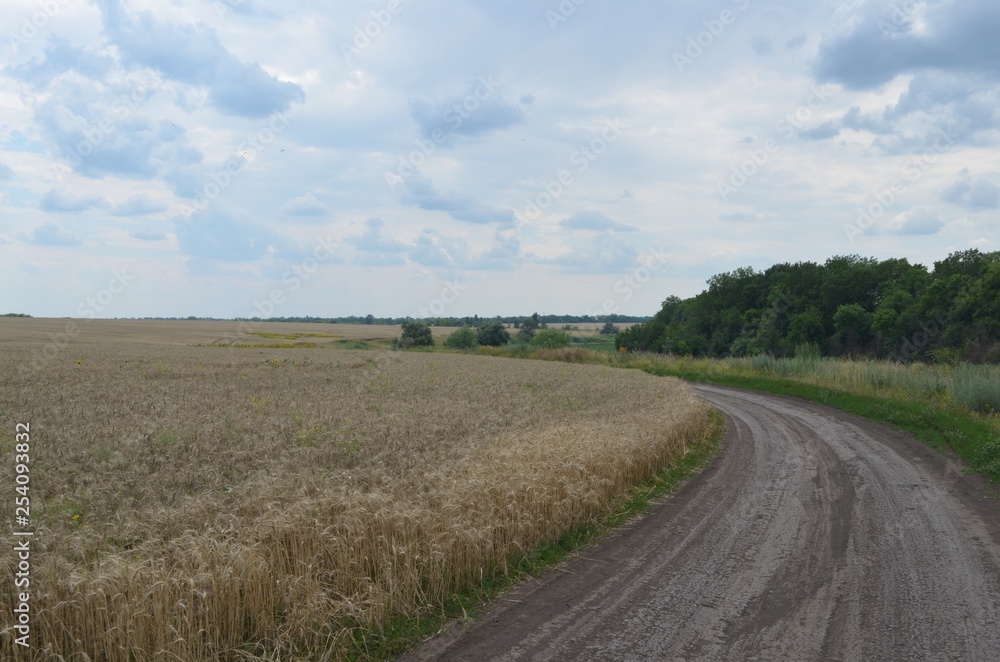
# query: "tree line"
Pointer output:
{"type": "Point", "coordinates": [848, 305]}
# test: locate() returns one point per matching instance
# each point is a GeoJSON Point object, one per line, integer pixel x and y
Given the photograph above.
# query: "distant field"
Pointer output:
{"type": "Point", "coordinates": [200, 503]}
{"type": "Point", "coordinates": [39, 332]}
{"type": "Point", "coordinates": [35, 331]}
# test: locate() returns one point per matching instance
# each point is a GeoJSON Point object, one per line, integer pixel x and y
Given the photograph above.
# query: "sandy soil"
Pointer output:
{"type": "Point", "coordinates": [815, 535]}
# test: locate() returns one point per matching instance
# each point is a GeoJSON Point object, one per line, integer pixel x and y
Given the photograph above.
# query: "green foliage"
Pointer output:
{"type": "Point", "coordinates": [493, 334]}
{"type": "Point", "coordinates": [609, 329]}
{"type": "Point", "coordinates": [415, 334]}
{"type": "Point", "coordinates": [888, 309]}
{"type": "Point", "coordinates": [464, 338]}
{"type": "Point", "coordinates": [550, 339]}
{"type": "Point", "coordinates": [528, 328]}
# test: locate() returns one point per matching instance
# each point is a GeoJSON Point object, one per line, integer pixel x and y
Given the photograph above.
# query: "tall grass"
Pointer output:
{"type": "Point", "coordinates": [977, 387]}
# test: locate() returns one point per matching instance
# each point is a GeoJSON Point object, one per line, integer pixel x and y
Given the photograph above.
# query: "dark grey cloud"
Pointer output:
{"type": "Point", "coordinates": [917, 221]}
{"type": "Point", "coordinates": [100, 140]}
{"type": "Point", "coordinates": [193, 54]}
{"type": "Point", "coordinates": [887, 40]}
{"type": "Point", "coordinates": [972, 193]}
{"type": "Point", "coordinates": [478, 110]}
{"type": "Point", "coordinates": [937, 110]}
{"type": "Point", "coordinates": [60, 56]}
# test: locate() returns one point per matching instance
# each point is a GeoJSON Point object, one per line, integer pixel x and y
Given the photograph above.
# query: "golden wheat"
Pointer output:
{"type": "Point", "coordinates": [233, 503]}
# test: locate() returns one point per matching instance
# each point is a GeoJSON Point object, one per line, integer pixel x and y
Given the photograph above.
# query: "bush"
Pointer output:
{"type": "Point", "coordinates": [415, 334]}
{"type": "Point", "coordinates": [550, 339]}
{"type": "Point", "coordinates": [493, 334]}
{"type": "Point", "coordinates": [609, 329]}
{"type": "Point", "coordinates": [464, 338]}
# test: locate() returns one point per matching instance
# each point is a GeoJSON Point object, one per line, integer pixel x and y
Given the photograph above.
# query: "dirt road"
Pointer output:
{"type": "Point", "coordinates": [815, 535]}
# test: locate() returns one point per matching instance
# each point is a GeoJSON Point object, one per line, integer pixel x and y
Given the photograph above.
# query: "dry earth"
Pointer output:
{"type": "Point", "coordinates": [816, 535]}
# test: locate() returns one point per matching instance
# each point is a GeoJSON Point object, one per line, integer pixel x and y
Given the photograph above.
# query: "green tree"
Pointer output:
{"type": "Point", "coordinates": [550, 339]}
{"type": "Point", "coordinates": [464, 338]}
{"type": "Point", "coordinates": [609, 329]}
{"type": "Point", "coordinates": [415, 334]}
{"type": "Point", "coordinates": [493, 334]}
{"type": "Point", "coordinates": [853, 325]}
{"type": "Point", "coordinates": [528, 327]}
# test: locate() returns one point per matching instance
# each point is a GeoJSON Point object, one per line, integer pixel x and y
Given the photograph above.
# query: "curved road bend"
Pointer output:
{"type": "Point", "coordinates": [815, 535]}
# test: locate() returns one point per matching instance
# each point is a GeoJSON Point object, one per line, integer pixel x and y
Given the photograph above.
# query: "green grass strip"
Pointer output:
{"type": "Point", "coordinates": [937, 424]}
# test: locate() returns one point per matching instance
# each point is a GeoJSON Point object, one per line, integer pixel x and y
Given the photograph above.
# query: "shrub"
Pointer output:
{"type": "Point", "coordinates": [493, 334]}
{"type": "Point", "coordinates": [464, 338]}
{"type": "Point", "coordinates": [550, 339]}
{"type": "Point", "coordinates": [609, 329]}
{"type": "Point", "coordinates": [415, 334]}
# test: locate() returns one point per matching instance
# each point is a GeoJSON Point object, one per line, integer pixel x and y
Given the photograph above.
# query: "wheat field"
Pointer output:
{"type": "Point", "coordinates": [210, 503]}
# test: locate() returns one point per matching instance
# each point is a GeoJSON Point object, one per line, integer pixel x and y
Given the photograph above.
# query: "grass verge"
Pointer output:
{"type": "Point", "coordinates": [939, 425]}
{"type": "Point", "coordinates": [404, 632]}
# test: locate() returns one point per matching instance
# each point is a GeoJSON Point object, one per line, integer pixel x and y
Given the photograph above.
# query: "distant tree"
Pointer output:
{"type": "Point", "coordinates": [369, 319]}
{"type": "Point", "coordinates": [609, 329]}
{"type": "Point", "coordinates": [493, 334]}
{"type": "Point", "coordinates": [464, 338]}
{"type": "Point", "coordinates": [415, 334]}
{"type": "Point", "coordinates": [528, 328]}
{"type": "Point", "coordinates": [550, 339]}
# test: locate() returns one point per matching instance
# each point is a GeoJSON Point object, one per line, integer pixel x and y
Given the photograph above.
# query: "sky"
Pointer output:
{"type": "Point", "coordinates": [239, 158]}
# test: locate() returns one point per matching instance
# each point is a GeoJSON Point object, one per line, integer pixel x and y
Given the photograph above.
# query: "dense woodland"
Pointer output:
{"type": "Point", "coordinates": [847, 306]}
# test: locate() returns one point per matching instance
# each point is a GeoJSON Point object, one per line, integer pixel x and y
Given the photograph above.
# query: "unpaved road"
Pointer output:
{"type": "Point", "coordinates": [815, 535]}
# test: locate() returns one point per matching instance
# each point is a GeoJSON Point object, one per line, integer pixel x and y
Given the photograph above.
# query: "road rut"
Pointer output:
{"type": "Point", "coordinates": [815, 535]}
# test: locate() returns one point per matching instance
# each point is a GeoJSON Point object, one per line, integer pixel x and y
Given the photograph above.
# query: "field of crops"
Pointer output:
{"type": "Point", "coordinates": [206, 502]}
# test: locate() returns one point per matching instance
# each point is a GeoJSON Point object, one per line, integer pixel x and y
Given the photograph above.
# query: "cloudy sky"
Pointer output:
{"type": "Point", "coordinates": [239, 157]}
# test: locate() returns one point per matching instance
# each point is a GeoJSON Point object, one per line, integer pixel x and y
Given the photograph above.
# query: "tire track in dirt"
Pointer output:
{"type": "Point", "coordinates": [815, 535]}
